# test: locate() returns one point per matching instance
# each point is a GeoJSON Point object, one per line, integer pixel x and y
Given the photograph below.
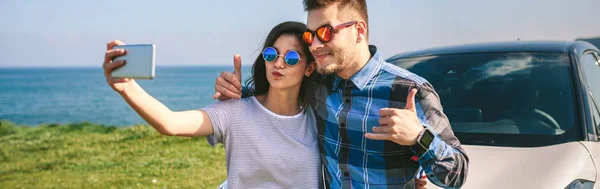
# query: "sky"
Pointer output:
{"type": "Point", "coordinates": [70, 33]}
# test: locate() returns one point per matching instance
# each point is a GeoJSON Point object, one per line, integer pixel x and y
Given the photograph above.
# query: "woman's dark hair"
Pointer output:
{"type": "Point", "coordinates": [258, 83]}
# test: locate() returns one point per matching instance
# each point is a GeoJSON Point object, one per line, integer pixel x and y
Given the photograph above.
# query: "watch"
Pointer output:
{"type": "Point", "coordinates": [423, 142]}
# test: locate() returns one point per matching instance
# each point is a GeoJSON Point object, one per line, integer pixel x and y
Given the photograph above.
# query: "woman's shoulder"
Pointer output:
{"type": "Point", "coordinates": [238, 103]}
{"type": "Point", "coordinates": [248, 102]}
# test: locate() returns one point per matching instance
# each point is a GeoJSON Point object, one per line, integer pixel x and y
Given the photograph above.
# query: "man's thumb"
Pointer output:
{"type": "Point", "coordinates": [410, 100]}
{"type": "Point", "coordinates": [237, 66]}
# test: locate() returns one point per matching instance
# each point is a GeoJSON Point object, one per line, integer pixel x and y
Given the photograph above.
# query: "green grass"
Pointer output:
{"type": "Point", "coordinates": [86, 155]}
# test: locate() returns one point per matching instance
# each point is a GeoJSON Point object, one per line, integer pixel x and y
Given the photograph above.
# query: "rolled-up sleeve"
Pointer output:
{"type": "Point", "coordinates": [222, 114]}
{"type": "Point", "coordinates": [445, 162]}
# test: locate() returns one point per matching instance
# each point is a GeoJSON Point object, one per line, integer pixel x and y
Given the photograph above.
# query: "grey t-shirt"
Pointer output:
{"type": "Point", "coordinates": [264, 149]}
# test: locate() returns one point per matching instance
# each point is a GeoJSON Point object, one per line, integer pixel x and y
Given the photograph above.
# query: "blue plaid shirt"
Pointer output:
{"type": "Point", "coordinates": [347, 109]}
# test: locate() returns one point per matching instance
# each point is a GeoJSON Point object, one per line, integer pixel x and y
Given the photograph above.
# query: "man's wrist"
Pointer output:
{"type": "Point", "coordinates": [415, 141]}
{"type": "Point", "coordinates": [423, 141]}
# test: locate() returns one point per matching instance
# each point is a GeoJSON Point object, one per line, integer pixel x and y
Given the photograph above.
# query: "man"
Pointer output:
{"type": "Point", "coordinates": [378, 124]}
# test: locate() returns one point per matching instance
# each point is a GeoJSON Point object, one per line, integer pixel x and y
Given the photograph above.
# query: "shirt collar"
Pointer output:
{"type": "Point", "coordinates": [364, 75]}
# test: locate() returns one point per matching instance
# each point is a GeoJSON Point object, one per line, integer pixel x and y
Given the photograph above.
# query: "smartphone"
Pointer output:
{"type": "Point", "coordinates": [139, 61]}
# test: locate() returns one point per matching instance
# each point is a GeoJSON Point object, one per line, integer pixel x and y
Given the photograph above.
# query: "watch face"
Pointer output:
{"type": "Point", "coordinates": [427, 138]}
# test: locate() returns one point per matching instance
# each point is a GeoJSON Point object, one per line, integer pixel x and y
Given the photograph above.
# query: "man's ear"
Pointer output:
{"type": "Point", "coordinates": [311, 67]}
{"type": "Point", "coordinates": [361, 28]}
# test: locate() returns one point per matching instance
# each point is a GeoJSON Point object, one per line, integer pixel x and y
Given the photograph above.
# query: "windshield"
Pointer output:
{"type": "Point", "coordinates": [503, 99]}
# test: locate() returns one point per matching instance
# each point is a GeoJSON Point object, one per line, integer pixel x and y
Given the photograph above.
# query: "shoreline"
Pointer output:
{"type": "Point", "coordinates": [53, 124]}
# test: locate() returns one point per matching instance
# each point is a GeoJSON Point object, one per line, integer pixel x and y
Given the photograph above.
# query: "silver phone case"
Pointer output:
{"type": "Point", "coordinates": [139, 61]}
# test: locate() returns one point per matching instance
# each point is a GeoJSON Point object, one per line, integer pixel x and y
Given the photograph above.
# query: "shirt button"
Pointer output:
{"type": "Point", "coordinates": [342, 124]}
{"type": "Point", "coordinates": [346, 174]}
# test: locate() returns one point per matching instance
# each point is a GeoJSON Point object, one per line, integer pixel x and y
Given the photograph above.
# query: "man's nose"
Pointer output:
{"type": "Point", "coordinates": [316, 43]}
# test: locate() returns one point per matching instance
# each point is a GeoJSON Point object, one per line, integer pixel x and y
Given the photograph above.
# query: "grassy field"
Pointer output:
{"type": "Point", "coordinates": [86, 155]}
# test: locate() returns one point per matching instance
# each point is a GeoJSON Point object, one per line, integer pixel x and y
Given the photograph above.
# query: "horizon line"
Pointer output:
{"type": "Point", "coordinates": [84, 66]}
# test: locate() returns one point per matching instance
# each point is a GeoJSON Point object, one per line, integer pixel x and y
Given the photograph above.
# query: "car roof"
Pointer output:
{"type": "Point", "coordinates": [506, 46]}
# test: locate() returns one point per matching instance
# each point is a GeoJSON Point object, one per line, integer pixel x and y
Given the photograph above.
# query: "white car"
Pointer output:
{"type": "Point", "coordinates": [526, 112]}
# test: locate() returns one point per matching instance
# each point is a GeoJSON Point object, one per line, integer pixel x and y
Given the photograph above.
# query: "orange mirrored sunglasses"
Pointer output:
{"type": "Point", "coordinates": [325, 32]}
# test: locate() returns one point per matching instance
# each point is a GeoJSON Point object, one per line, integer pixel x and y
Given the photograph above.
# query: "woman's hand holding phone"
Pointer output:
{"type": "Point", "coordinates": [118, 84]}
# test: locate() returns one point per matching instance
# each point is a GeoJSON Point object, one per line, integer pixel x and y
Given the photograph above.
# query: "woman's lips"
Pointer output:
{"type": "Point", "coordinates": [277, 74]}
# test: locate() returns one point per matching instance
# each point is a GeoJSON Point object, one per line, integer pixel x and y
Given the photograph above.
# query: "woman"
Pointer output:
{"type": "Point", "coordinates": [270, 139]}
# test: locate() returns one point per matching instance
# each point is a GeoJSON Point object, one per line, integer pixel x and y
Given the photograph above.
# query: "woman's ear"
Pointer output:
{"type": "Point", "coordinates": [311, 67]}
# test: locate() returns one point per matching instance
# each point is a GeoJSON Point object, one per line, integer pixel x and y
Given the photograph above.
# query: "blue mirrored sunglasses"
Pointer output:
{"type": "Point", "coordinates": [291, 57]}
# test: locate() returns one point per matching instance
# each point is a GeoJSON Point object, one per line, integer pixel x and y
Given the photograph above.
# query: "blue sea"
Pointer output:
{"type": "Point", "coordinates": [33, 96]}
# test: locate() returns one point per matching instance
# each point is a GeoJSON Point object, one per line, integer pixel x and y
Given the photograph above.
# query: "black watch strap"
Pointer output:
{"type": "Point", "coordinates": [418, 149]}
{"type": "Point", "coordinates": [423, 142]}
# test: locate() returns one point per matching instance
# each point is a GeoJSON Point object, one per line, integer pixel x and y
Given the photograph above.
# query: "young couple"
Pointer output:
{"type": "Point", "coordinates": [358, 123]}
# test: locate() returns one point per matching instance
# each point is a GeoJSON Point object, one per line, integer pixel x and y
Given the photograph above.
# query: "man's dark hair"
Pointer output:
{"type": "Point", "coordinates": [258, 83]}
{"type": "Point", "coordinates": [358, 6]}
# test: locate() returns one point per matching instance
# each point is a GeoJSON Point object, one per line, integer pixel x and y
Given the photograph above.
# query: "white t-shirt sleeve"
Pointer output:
{"type": "Point", "coordinates": [222, 115]}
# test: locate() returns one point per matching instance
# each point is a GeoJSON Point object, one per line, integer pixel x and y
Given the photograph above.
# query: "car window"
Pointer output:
{"type": "Point", "coordinates": [504, 99]}
{"type": "Point", "coordinates": [591, 70]}
{"type": "Point", "coordinates": [595, 115]}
